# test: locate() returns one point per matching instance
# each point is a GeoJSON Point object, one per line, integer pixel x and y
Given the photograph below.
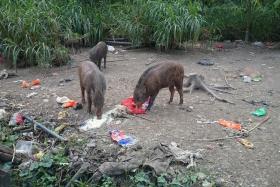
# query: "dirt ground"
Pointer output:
{"type": "Point", "coordinates": [227, 159]}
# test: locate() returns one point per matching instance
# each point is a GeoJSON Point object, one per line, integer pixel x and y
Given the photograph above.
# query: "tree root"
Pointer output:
{"type": "Point", "coordinates": [197, 82]}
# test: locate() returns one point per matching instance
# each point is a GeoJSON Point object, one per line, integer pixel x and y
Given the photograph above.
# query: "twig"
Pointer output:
{"type": "Point", "coordinates": [14, 153]}
{"type": "Point", "coordinates": [44, 128]}
{"type": "Point", "coordinates": [217, 139]}
{"type": "Point", "coordinates": [82, 169]}
{"type": "Point", "coordinates": [143, 118]}
{"type": "Point", "coordinates": [262, 122]}
{"type": "Point", "coordinates": [219, 90]}
{"type": "Point", "coordinates": [228, 83]}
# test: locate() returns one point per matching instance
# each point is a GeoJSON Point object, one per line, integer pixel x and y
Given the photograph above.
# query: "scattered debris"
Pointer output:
{"type": "Point", "coordinates": [246, 143]}
{"type": "Point", "coordinates": [16, 119]}
{"type": "Point", "coordinates": [121, 138]}
{"type": "Point", "coordinates": [205, 62]}
{"type": "Point", "coordinates": [32, 94]}
{"type": "Point", "coordinates": [82, 169]}
{"type": "Point", "coordinates": [262, 122]}
{"type": "Point", "coordinates": [260, 112]}
{"type": "Point", "coordinates": [247, 79]}
{"type": "Point", "coordinates": [70, 103]}
{"type": "Point", "coordinates": [62, 100]}
{"type": "Point", "coordinates": [196, 81]}
{"type": "Point", "coordinates": [25, 147]}
{"type": "Point", "coordinates": [111, 48]}
{"type": "Point", "coordinates": [35, 82]}
{"type": "Point", "coordinates": [60, 128]}
{"type": "Point", "coordinates": [257, 78]}
{"type": "Point", "coordinates": [157, 158]}
{"type": "Point", "coordinates": [230, 124]}
{"type": "Point", "coordinates": [62, 115]}
{"type": "Point", "coordinates": [25, 84]}
{"type": "Point", "coordinates": [250, 72]}
{"type": "Point", "coordinates": [78, 106]}
{"type": "Point", "coordinates": [35, 87]}
{"type": "Point", "coordinates": [7, 155]}
{"type": "Point", "coordinates": [44, 128]}
{"type": "Point", "coordinates": [129, 103]}
{"type": "Point", "coordinates": [255, 102]}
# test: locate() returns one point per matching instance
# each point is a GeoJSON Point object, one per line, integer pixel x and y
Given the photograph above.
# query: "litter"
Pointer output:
{"type": "Point", "coordinates": [25, 84]}
{"type": "Point", "coordinates": [247, 79]}
{"type": "Point", "coordinates": [62, 115]}
{"type": "Point", "coordinates": [257, 78]}
{"type": "Point", "coordinates": [70, 103]}
{"type": "Point", "coordinates": [118, 111]}
{"type": "Point", "coordinates": [60, 128]}
{"type": "Point", "coordinates": [44, 128]}
{"type": "Point", "coordinates": [16, 119]}
{"type": "Point", "coordinates": [35, 82]}
{"type": "Point", "coordinates": [35, 87]}
{"type": "Point", "coordinates": [39, 155]}
{"type": "Point", "coordinates": [62, 100]}
{"type": "Point", "coordinates": [206, 62]}
{"type": "Point", "coordinates": [31, 94]}
{"type": "Point", "coordinates": [230, 124]}
{"type": "Point", "coordinates": [111, 48]}
{"type": "Point", "coordinates": [258, 44]}
{"type": "Point", "coordinates": [24, 147]}
{"type": "Point", "coordinates": [129, 103]}
{"type": "Point", "coordinates": [121, 138]}
{"type": "Point", "coordinates": [246, 143]}
{"type": "Point", "coordinates": [260, 112]}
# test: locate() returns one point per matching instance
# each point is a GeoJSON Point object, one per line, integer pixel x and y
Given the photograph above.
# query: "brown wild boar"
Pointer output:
{"type": "Point", "coordinates": [98, 52]}
{"type": "Point", "coordinates": [93, 82]}
{"type": "Point", "coordinates": [157, 77]}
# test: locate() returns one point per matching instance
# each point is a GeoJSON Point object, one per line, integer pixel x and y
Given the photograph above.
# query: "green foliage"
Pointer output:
{"type": "Point", "coordinates": [45, 172]}
{"type": "Point", "coordinates": [34, 32]}
{"type": "Point", "coordinates": [231, 19]}
{"type": "Point", "coordinates": [167, 23]}
{"type": "Point", "coordinates": [7, 137]}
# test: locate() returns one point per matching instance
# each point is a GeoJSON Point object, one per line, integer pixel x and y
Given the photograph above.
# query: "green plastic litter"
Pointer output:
{"type": "Point", "coordinates": [257, 78]}
{"type": "Point", "coordinates": [260, 112]}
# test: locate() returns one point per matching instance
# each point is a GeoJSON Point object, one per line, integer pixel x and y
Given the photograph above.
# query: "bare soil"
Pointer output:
{"type": "Point", "coordinates": [228, 159]}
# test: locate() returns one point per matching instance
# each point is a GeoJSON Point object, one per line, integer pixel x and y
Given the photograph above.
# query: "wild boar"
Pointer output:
{"type": "Point", "coordinates": [98, 52]}
{"type": "Point", "coordinates": [93, 82]}
{"type": "Point", "coordinates": [157, 77]}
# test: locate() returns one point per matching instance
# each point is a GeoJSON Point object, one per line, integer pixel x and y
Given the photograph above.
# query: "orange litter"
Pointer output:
{"type": "Point", "coordinates": [70, 103]}
{"type": "Point", "coordinates": [35, 82]}
{"type": "Point", "coordinates": [230, 124]}
{"type": "Point", "coordinates": [25, 84]}
{"type": "Point", "coordinates": [246, 143]}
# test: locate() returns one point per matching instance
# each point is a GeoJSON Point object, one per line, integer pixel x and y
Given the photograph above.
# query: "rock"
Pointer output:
{"type": "Point", "coordinates": [220, 182]}
{"type": "Point", "coordinates": [201, 176]}
{"type": "Point", "coordinates": [258, 44]}
{"type": "Point", "coordinates": [205, 62]}
{"type": "Point", "coordinates": [91, 145]}
{"type": "Point", "coordinates": [207, 184]}
{"type": "Point", "coordinates": [3, 114]}
{"type": "Point", "coordinates": [31, 94]}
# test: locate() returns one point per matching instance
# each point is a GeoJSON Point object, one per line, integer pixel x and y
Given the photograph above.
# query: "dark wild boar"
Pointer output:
{"type": "Point", "coordinates": [93, 82]}
{"type": "Point", "coordinates": [98, 52]}
{"type": "Point", "coordinates": [157, 77]}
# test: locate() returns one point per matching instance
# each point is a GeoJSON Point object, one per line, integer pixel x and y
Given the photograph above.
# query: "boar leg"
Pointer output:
{"type": "Point", "coordinates": [105, 62]}
{"type": "Point", "coordinates": [83, 94]}
{"type": "Point", "coordinates": [99, 64]}
{"type": "Point", "coordinates": [151, 102]}
{"type": "Point", "coordinates": [179, 87]}
{"type": "Point", "coordinates": [172, 90]}
{"type": "Point", "coordinates": [89, 100]}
